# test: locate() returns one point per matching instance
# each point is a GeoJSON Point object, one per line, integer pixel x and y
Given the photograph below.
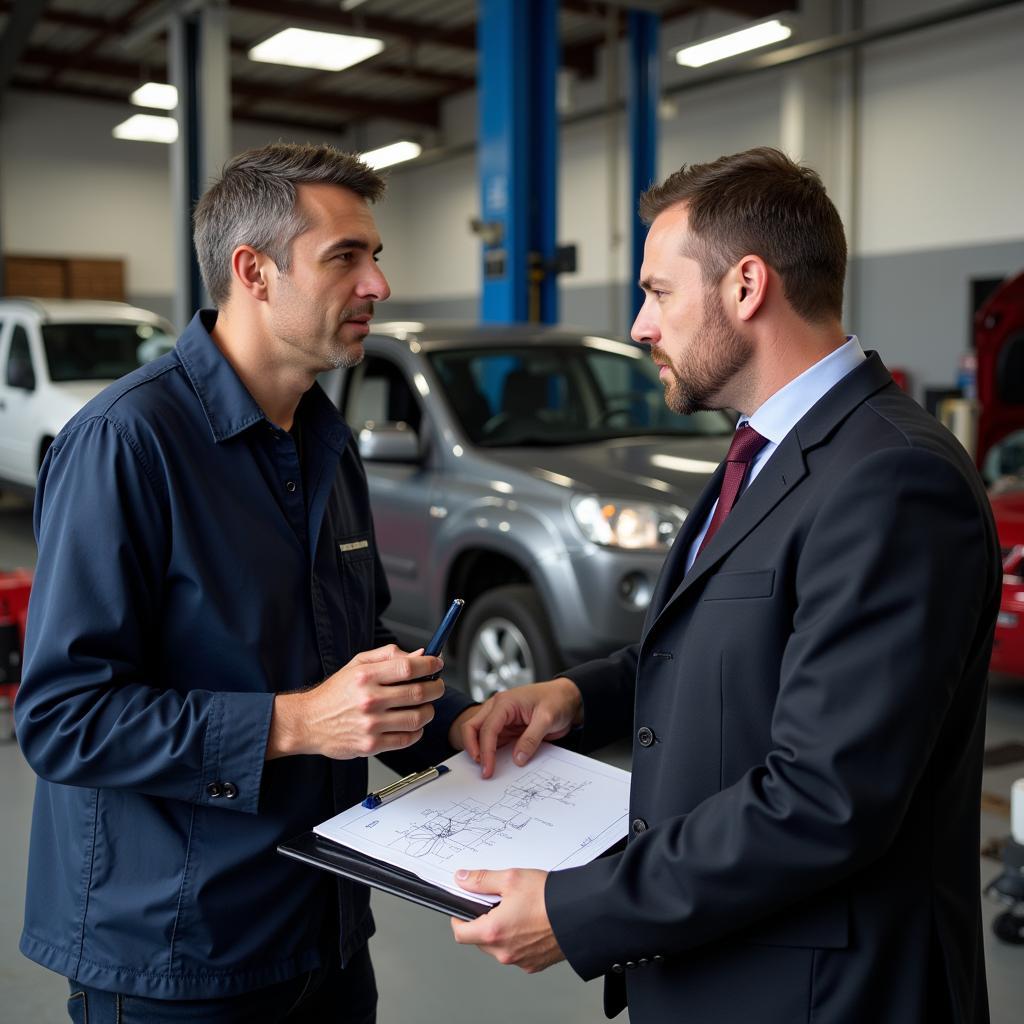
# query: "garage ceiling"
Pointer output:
{"type": "Point", "coordinates": [100, 49]}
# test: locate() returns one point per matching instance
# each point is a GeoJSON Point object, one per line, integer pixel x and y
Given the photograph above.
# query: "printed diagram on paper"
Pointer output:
{"type": "Point", "coordinates": [469, 825]}
{"type": "Point", "coordinates": [559, 811]}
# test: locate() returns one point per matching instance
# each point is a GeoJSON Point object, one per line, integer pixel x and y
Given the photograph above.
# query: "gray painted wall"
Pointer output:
{"type": "Point", "coordinates": [912, 307]}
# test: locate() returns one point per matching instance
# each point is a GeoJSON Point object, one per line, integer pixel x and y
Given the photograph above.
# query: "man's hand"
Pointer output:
{"type": "Point", "coordinates": [517, 931]}
{"type": "Point", "coordinates": [541, 711]}
{"type": "Point", "coordinates": [456, 732]}
{"type": "Point", "coordinates": [374, 703]}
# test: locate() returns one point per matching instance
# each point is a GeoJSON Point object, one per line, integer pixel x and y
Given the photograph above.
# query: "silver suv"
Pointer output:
{"type": "Point", "coordinates": [535, 472]}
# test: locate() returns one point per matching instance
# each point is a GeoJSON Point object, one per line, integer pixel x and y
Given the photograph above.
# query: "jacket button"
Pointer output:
{"type": "Point", "coordinates": [290, 486]}
{"type": "Point", "coordinates": [631, 964]}
{"type": "Point", "coordinates": [214, 790]}
{"type": "Point", "coordinates": [617, 968]}
{"type": "Point", "coordinates": [644, 736]}
{"type": "Point", "coordinates": [638, 826]}
{"type": "Point", "coordinates": [643, 961]}
{"type": "Point", "coordinates": [230, 790]}
{"type": "Point", "coordinates": [658, 958]}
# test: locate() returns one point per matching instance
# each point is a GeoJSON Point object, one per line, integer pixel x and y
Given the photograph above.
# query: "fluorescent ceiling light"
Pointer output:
{"type": "Point", "coordinates": [155, 94]}
{"type": "Point", "coordinates": [753, 37]}
{"type": "Point", "coordinates": [393, 154]}
{"type": "Point", "coordinates": [147, 128]}
{"type": "Point", "coordinates": [326, 51]}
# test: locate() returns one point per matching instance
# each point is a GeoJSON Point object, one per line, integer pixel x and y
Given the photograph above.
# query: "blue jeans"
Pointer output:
{"type": "Point", "coordinates": [328, 994]}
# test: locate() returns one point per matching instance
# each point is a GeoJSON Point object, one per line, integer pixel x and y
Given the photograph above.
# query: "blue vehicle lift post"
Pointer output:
{"type": "Point", "coordinates": [644, 91]}
{"type": "Point", "coordinates": [518, 159]}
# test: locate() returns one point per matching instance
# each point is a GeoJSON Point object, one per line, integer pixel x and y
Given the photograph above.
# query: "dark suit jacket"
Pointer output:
{"type": "Point", "coordinates": [808, 710]}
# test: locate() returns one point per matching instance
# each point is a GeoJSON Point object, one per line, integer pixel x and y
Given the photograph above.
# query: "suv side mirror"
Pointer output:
{"type": "Point", "coordinates": [389, 442]}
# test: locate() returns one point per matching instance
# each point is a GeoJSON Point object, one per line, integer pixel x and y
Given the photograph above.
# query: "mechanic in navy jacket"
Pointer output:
{"type": "Point", "coordinates": [206, 669]}
{"type": "Point", "coordinates": [807, 699]}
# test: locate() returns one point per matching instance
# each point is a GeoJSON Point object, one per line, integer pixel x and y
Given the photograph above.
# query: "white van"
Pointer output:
{"type": "Point", "coordinates": [56, 354]}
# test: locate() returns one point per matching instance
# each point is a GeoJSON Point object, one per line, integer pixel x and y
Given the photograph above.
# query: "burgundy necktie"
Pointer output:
{"type": "Point", "coordinates": [746, 443]}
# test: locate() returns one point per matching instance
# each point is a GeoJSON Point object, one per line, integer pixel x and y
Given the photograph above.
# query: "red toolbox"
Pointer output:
{"type": "Point", "coordinates": [14, 591]}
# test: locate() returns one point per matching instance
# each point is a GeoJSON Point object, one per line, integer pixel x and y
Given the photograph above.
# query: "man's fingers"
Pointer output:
{"type": "Point", "coordinates": [532, 737]}
{"type": "Point", "coordinates": [490, 730]}
{"type": "Point", "coordinates": [384, 653]}
{"type": "Point", "coordinates": [492, 883]}
{"type": "Point", "coordinates": [470, 739]}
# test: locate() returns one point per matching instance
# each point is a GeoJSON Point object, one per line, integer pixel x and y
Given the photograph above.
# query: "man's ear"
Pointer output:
{"type": "Point", "coordinates": [250, 269]}
{"type": "Point", "coordinates": [748, 286]}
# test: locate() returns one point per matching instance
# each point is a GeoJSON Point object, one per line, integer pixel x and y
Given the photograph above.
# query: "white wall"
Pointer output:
{"type": "Point", "coordinates": [938, 166]}
{"type": "Point", "coordinates": [942, 139]}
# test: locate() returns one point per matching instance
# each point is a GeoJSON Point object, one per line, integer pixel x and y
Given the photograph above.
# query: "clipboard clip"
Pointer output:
{"type": "Point", "coordinates": [404, 785]}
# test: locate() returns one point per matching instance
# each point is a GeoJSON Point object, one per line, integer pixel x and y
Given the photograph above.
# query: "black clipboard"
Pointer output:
{"type": "Point", "coordinates": [341, 860]}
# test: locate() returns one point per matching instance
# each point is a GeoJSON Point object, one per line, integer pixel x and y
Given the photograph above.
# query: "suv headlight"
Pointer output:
{"type": "Point", "coordinates": [637, 525]}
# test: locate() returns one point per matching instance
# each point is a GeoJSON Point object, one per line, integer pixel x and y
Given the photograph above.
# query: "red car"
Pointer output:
{"type": "Point", "coordinates": [1008, 652]}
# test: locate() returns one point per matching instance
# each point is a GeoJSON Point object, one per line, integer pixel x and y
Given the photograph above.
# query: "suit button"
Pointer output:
{"type": "Point", "coordinates": [643, 961]}
{"type": "Point", "coordinates": [230, 790]}
{"type": "Point", "coordinates": [290, 486]}
{"type": "Point", "coordinates": [617, 968]}
{"type": "Point", "coordinates": [638, 826]}
{"type": "Point", "coordinates": [214, 790]}
{"type": "Point", "coordinates": [644, 736]}
{"type": "Point", "coordinates": [631, 964]}
{"type": "Point", "coordinates": [658, 958]}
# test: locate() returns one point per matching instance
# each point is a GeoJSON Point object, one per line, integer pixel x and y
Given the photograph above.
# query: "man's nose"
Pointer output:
{"type": "Point", "coordinates": [645, 329]}
{"type": "Point", "coordinates": [374, 286]}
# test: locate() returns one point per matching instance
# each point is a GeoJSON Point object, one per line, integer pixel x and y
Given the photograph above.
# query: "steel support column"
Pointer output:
{"type": "Point", "coordinates": [644, 93]}
{"type": "Point", "coordinates": [198, 58]}
{"type": "Point", "coordinates": [518, 63]}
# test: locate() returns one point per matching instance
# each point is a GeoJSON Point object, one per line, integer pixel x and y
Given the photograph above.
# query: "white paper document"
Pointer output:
{"type": "Point", "coordinates": [559, 811]}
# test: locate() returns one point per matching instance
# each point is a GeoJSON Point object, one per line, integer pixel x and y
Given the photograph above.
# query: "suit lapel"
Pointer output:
{"type": "Point", "coordinates": [785, 468]}
{"type": "Point", "coordinates": [674, 567]}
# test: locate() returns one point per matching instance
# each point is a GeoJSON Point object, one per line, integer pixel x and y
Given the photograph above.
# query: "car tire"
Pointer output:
{"type": "Point", "coordinates": [506, 642]}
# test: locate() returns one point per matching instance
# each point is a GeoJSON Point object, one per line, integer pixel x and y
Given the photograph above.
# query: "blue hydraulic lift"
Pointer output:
{"type": "Point", "coordinates": [644, 90]}
{"type": "Point", "coordinates": [518, 65]}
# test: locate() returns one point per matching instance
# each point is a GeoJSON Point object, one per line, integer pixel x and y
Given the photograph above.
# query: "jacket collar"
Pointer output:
{"type": "Point", "coordinates": [227, 404]}
{"type": "Point", "coordinates": [782, 472]}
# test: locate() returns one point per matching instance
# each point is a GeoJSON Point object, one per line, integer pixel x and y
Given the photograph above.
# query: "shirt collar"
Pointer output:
{"type": "Point", "coordinates": [777, 416]}
{"type": "Point", "coordinates": [226, 401]}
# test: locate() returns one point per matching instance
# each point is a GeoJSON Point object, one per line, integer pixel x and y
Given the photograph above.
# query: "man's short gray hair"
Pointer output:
{"type": "Point", "coordinates": [253, 203]}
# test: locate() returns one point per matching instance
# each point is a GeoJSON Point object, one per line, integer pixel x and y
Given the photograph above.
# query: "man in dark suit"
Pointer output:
{"type": "Point", "coordinates": [807, 700]}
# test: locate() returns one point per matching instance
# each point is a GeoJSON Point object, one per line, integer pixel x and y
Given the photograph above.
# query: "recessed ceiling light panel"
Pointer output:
{"type": "Point", "coordinates": [753, 37]}
{"type": "Point", "coordinates": [325, 51]}
{"type": "Point", "coordinates": [395, 153]}
{"type": "Point", "coordinates": [147, 128]}
{"type": "Point", "coordinates": [155, 94]}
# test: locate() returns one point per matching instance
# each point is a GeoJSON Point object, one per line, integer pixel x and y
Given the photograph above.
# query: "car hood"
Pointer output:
{"type": "Point", "coordinates": [661, 469]}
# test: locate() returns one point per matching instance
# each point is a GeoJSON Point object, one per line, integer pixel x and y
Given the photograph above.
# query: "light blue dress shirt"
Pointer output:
{"type": "Point", "coordinates": [777, 416]}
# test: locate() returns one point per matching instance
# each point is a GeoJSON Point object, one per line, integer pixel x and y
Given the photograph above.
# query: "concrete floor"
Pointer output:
{"type": "Point", "coordinates": [423, 976]}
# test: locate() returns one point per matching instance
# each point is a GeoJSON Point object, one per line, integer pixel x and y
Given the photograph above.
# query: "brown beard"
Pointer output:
{"type": "Point", "coordinates": [717, 354]}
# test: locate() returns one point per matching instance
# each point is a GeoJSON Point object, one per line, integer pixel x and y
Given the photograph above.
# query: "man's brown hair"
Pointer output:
{"type": "Point", "coordinates": [761, 203]}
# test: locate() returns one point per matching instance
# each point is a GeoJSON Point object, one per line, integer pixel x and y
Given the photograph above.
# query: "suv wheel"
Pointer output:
{"type": "Point", "coordinates": [506, 642]}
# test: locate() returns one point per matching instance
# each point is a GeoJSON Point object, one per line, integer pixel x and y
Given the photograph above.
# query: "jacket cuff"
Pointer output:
{"type": "Point", "coordinates": [234, 750]}
{"type": "Point", "coordinates": [570, 898]}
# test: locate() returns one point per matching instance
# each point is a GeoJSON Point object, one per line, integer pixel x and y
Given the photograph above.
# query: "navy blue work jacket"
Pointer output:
{"type": "Point", "coordinates": [189, 569]}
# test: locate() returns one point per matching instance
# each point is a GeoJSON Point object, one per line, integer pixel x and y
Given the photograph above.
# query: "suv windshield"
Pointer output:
{"type": "Point", "coordinates": [101, 351]}
{"type": "Point", "coordinates": [562, 394]}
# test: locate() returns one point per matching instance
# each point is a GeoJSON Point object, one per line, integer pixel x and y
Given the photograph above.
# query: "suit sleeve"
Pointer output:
{"type": "Point", "coordinates": [608, 687]}
{"type": "Point", "coordinates": [894, 588]}
{"type": "Point", "coordinates": [89, 712]}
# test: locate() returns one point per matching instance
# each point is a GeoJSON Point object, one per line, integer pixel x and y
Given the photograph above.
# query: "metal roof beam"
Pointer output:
{"type": "Point", "coordinates": [20, 24]}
